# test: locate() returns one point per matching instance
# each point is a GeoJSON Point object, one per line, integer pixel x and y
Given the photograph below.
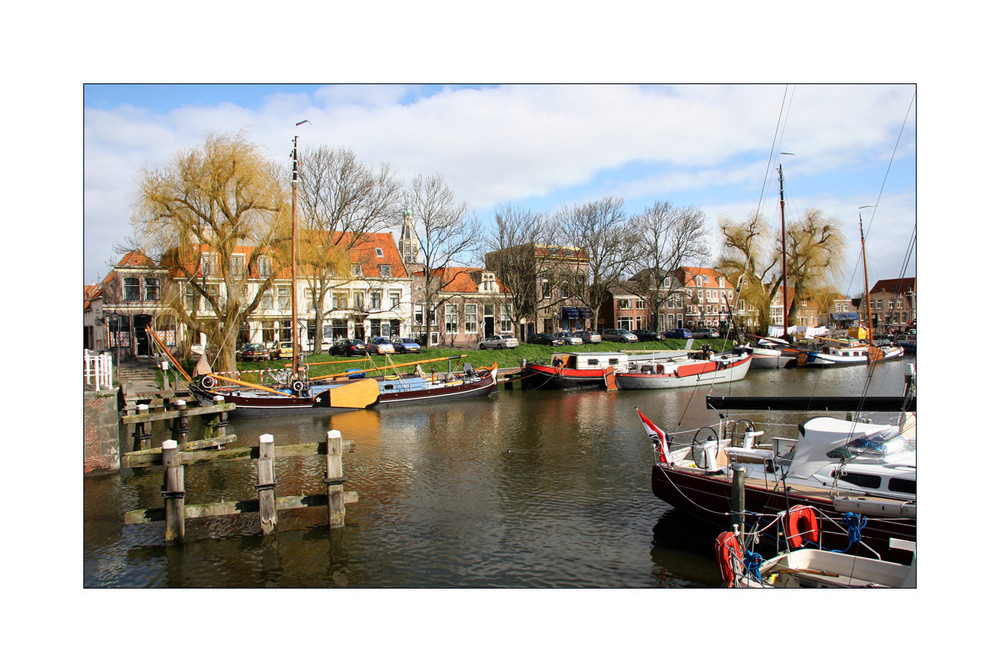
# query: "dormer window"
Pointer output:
{"type": "Point", "coordinates": [384, 270]}
{"type": "Point", "coordinates": [378, 252]}
{"type": "Point", "coordinates": [356, 270]}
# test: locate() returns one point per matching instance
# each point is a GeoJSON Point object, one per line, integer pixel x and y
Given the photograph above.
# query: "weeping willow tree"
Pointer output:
{"type": "Point", "coordinates": [212, 214]}
{"type": "Point", "coordinates": [751, 260]}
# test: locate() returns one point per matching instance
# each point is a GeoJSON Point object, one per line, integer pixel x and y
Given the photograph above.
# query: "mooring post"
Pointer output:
{"type": "Point", "coordinates": [265, 484]}
{"type": "Point", "coordinates": [335, 477]}
{"type": "Point", "coordinates": [222, 419]}
{"type": "Point", "coordinates": [173, 491]}
{"type": "Point", "coordinates": [141, 436]}
{"type": "Point", "coordinates": [738, 503]}
{"type": "Point", "coordinates": [179, 431]}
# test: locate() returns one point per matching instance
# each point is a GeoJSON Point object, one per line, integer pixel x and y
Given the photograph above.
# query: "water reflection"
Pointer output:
{"type": "Point", "coordinates": [537, 489]}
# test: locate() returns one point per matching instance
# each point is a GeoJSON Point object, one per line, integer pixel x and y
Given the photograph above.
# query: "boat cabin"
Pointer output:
{"type": "Point", "coordinates": [586, 361]}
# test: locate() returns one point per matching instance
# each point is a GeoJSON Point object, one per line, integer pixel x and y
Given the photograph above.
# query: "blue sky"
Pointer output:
{"type": "Point", "coordinates": [544, 146]}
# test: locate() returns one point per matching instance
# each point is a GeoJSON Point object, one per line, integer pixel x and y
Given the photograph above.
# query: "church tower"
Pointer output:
{"type": "Point", "coordinates": [409, 245]}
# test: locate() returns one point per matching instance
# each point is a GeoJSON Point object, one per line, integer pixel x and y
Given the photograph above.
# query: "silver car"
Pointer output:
{"type": "Point", "coordinates": [570, 339]}
{"type": "Point", "coordinates": [497, 341]}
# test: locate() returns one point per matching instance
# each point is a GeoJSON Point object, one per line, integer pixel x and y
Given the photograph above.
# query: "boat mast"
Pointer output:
{"type": "Point", "coordinates": [296, 369]}
{"type": "Point", "coordinates": [784, 270]}
{"type": "Point", "coordinates": [295, 244]}
{"type": "Point", "coordinates": [868, 298]}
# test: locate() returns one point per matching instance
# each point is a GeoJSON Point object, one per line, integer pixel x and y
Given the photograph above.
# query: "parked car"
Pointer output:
{"type": "Point", "coordinates": [678, 333]}
{"type": "Point", "coordinates": [347, 347]}
{"type": "Point", "coordinates": [405, 345]}
{"type": "Point", "coordinates": [620, 335]}
{"type": "Point", "coordinates": [498, 341]}
{"type": "Point", "coordinates": [705, 333]}
{"type": "Point", "coordinates": [281, 350]}
{"type": "Point", "coordinates": [253, 352]}
{"type": "Point", "coordinates": [646, 335]}
{"type": "Point", "coordinates": [380, 345]}
{"type": "Point", "coordinates": [569, 338]}
{"type": "Point", "coordinates": [588, 336]}
{"type": "Point", "coordinates": [546, 339]}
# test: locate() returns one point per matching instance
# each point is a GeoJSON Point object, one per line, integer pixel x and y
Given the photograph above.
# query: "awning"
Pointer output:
{"type": "Point", "coordinates": [576, 312]}
{"type": "Point", "coordinates": [844, 317]}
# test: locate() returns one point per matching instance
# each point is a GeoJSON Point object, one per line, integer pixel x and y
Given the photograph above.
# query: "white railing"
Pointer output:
{"type": "Point", "coordinates": [97, 370]}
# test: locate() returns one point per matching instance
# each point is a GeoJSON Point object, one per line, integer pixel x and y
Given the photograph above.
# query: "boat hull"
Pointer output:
{"type": "Point", "coordinates": [546, 377]}
{"type": "Point", "coordinates": [686, 375]}
{"type": "Point", "coordinates": [709, 497]}
{"type": "Point", "coordinates": [351, 395]}
{"type": "Point", "coordinates": [820, 359]}
{"type": "Point", "coordinates": [480, 386]}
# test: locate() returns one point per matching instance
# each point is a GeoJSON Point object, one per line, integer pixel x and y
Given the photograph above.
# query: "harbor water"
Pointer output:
{"type": "Point", "coordinates": [522, 489]}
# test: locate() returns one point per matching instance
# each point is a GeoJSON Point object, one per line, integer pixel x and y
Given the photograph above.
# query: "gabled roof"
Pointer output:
{"type": "Point", "coordinates": [896, 286]}
{"type": "Point", "coordinates": [713, 279]}
{"type": "Point", "coordinates": [90, 294]}
{"type": "Point", "coordinates": [460, 279]}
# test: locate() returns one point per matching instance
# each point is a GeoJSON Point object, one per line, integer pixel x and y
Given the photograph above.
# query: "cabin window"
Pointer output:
{"type": "Point", "coordinates": [592, 362]}
{"type": "Point", "coordinates": [903, 485]}
{"type": "Point", "coordinates": [863, 480]}
{"type": "Point", "coordinates": [613, 362]}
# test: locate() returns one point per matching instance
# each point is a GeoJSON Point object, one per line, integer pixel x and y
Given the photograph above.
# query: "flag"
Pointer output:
{"type": "Point", "coordinates": [657, 436]}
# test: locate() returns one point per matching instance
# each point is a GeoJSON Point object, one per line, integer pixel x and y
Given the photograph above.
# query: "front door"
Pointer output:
{"type": "Point", "coordinates": [142, 345]}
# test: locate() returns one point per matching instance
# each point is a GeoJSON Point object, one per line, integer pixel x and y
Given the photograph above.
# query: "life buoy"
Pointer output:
{"type": "Point", "coordinates": [802, 526]}
{"type": "Point", "coordinates": [727, 553]}
{"type": "Point", "coordinates": [298, 386]}
{"type": "Point", "coordinates": [208, 382]}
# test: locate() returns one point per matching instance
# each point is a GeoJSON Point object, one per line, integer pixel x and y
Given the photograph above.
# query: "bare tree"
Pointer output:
{"type": "Point", "coordinates": [445, 232]}
{"type": "Point", "coordinates": [518, 236]}
{"type": "Point", "coordinates": [666, 239]}
{"type": "Point", "coordinates": [598, 229]}
{"type": "Point", "coordinates": [195, 212]}
{"type": "Point", "coordinates": [342, 200]}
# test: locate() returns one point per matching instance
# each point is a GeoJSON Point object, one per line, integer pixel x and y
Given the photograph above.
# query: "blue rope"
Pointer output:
{"type": "Point", "coordinates": [751, 563]}
{"type": "Point", "coordinates": [855, 524]}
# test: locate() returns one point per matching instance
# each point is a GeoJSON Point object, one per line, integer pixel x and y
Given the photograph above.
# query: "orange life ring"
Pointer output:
{"type": "Point", "coordinates": [802, 526]}
{"type": "Point", "coordinates": [727, 553]}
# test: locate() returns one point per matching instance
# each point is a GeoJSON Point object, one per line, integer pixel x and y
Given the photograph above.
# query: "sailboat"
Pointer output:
{"type": "Point", "coordinates": [845, 354]}
{"type": "Point", "coordinates": [295, 392]}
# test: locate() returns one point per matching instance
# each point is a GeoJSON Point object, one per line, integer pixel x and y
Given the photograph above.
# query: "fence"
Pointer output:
{"type": "Point", "coordinates": [97, 370]}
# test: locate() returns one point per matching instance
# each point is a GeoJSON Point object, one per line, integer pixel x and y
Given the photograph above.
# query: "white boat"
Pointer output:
{"type": "Point", "coordinates": [836, 466]}
{"type": "Point", "coordinates": [740, 566]}
{"type": "Point", "coordinates": [771, 353]}
{"type": "Point", "coordinates": [850, 355]}
{"type": "Point", "coordinates": [684, 371]}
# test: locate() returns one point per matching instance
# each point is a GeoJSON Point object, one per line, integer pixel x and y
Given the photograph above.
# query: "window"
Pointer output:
{"type": "Point", "coordinates": [131, 286]}
{"type": "Point", "coordinates": [450, 318]}
{"type": "Point", "coordinates": [471, 318]}
{"type": "Point", "coordinates": [640, 304]}
{"type": "Point", "coordinates": [207, 265]}
{"type": "Point", "coordinates": [237, 265]}
{"type": "Point", "coordinates": [339, 301]}
{"type": "Point", "coordinates": [267, 300]}
{"type": "Point", "coordinates": [418, 314]}
{"type": "Point", "coordinates": [378, 252]}
{"type": "Point", "coordinates": [264, 267]}
{"type": "Point", "coordinates": [359, 300]}
{"type": "Point", "coordinates": [376, 299]}
{"type": "Point", "coordinates": [384, 270]}
{"type": "Point", "coordinates": [506, 324]}
{"type": "Point", "coordinates": [284, 298]}
{"type": "Point", "coordinates": [152, 289]}
{"type": "Point", "coordinates": [356, 270]}
{"type": "Point", "coordinates": [189, 300]}
{"type": "Point", "coordinates": [624, 304]}
{"type": "Point", "coordinates": [625, 323]}
{"type": "Point", "coordinates": [395, 296]}
{"type": "Point", "coordinates": [699, 280]}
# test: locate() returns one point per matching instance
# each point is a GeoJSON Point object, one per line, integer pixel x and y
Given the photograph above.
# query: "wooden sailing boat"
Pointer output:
{"type": "Point", "coordinates": [297, 393]}
{"type": "Point", "coordinates": [846, 354]}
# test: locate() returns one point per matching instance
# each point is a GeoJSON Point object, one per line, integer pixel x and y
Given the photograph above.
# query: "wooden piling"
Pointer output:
{"type": "Point", "coordinates": [265, 484]}
{"type": "Point", "coordinates": [173, 491]}
{"type": "Point", "coordinates": [179, 431]}
{"type": "Point", "coordinates": [335, 477]}
{"type": "Point", "coordinates": [142, 435]}
{"type": "Point", "coordinates": [738, 503]}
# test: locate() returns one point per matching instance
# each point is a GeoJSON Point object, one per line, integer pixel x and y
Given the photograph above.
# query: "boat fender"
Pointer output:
{"type": "Point", "coordinates": [727, 553]}
{"type": "Point", "coordinates": [802, 526]}
{"type": "Point", "coordinates": [208, 382]}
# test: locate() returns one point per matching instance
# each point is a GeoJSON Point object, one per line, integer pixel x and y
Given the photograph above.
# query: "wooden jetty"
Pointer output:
{"type": "Point", "coordinates": [177, 452]}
